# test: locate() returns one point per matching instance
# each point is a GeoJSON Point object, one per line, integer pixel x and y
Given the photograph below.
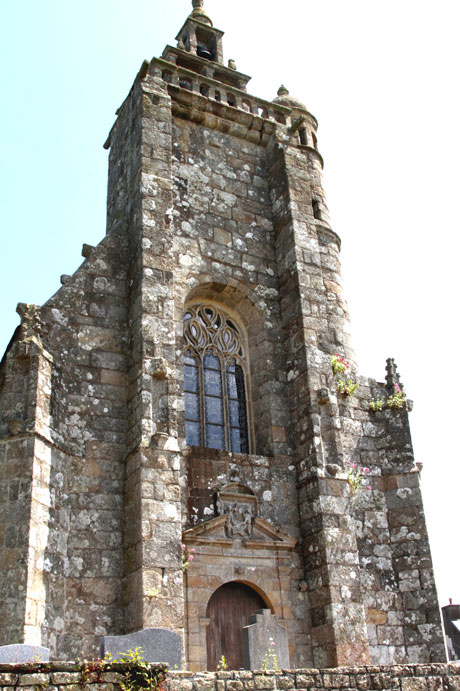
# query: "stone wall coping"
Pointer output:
{"type": "Point", "coordinates": [70, 666]}
{"type": "Point", "coordinates": [403, 670]}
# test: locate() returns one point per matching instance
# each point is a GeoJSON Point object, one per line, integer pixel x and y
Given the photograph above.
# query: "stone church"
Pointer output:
{"type": "Point", "coordinates": [182, 438]}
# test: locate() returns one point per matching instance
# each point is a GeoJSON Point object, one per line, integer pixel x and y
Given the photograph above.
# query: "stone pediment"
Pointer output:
{"type": "Point", "coordinates": [258, 534]}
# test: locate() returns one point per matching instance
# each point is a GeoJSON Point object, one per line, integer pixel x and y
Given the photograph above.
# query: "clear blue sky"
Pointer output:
{"type": "Point", "coordinates": [382, 78]}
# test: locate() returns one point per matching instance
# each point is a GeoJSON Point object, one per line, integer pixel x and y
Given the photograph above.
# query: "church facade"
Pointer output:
{"type": "Point", "coordinates": [182, 438]}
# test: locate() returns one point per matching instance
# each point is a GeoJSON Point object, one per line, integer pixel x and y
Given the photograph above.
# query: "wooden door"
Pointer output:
{"type": "Point", "coordinates": [229, 610]}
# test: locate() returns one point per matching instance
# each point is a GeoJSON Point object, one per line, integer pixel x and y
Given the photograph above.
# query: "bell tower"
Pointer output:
{"type": "Point", "coordinates": [199, 37]}
{"type": "Point", "coordinates": [183, 424]}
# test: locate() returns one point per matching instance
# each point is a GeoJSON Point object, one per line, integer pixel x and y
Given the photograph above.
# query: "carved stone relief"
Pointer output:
{"type": "Point", "coordinates": [239, 505]}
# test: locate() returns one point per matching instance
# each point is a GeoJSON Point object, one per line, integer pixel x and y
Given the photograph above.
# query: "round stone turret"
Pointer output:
{"type": "Point", "coordinates": [285, 99]}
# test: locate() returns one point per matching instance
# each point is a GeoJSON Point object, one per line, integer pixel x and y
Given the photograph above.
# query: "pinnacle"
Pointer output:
{"type": "Point", "coordinates": [199, 13]}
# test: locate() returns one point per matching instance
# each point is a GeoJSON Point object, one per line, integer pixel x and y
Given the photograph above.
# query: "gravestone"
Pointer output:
{"type": "Point", "coordinates": [265, 642]}
{"type": "Point", "coordinates": [158, 645]}
{"type": "Point", "coordinates": [20, 652]}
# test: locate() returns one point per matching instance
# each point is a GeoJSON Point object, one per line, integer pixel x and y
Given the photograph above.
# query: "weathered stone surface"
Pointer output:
{"type": "Point", "coordinates": [33, 680]}
{"type": "Point", "coordinates": [20, 652]}
{"type": "Point", "coordinates": [154, 644]}
{"type": "Point", "coordinates": [265, 643]}
{"type": "Point", "coordinates": [7, 679]}
{"type": "Point", "coordinates": [394, 678]}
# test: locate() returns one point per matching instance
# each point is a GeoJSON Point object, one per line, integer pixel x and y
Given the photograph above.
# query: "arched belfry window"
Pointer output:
{"type": "Point", "coordinates": [215, 370]}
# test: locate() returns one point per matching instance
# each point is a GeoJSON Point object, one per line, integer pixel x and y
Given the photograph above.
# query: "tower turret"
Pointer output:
{"type": "Point", "coordinates": [199, 37]}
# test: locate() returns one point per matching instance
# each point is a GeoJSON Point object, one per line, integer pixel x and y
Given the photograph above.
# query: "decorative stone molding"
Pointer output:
{"type": "Point", "coordinates": [239, 506]}
{"type": "Point", "coordinates": [158, 368]}
{"type": "Point", "coordinates": [16, 426]}
{"type": "Point", "coordinates": [30, 320]}
{"type": "Point", "coordinates": [263, 535]}
{"type": "Point", "coordinates": [323, 396]}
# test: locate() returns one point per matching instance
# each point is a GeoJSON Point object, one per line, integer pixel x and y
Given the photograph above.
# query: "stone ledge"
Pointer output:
{"type": "Point", "coordinates": [414, 677]}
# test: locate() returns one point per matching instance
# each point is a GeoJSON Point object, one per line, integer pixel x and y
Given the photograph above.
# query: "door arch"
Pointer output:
{"type": "Point", "coordinates": [229, 609]}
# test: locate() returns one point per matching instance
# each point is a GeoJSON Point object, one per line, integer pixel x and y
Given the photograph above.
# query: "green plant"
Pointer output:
{"type": "Point", "coordinates": [187, 557]}
{"type": "Point", "coordinates": [347, 387]}
{"type": "Point", "coordinates": [270, 659]}
{"type": "Point", "coordinates": [398, 399]}
{"type": "Point", "coordinates": [222, 664]}
{"type": "Point", "coordinates": [139, 674]}
{"type": "Point", "coordinates": [376, 404]}
{"type": "Point", "coordinates": [339, 364]}
{"type": "Point", "coordinates": [356, 476]}
{"type": "Point", "coordinates": [43, 685]}
{"type": "Point", "coordinates": [91, 670]}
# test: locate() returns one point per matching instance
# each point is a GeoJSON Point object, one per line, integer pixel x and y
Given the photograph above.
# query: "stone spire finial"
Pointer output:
{"type": "Point", "coordinates": [392, 376]}
{"type": "Point", "coordinates": [199, 13]}
{"type": "Point", "coordinates": [282, 91]}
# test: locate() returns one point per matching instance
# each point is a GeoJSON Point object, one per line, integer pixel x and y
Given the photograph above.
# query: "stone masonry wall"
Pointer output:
{"type": "Point", "coordinates": [61, 521]}
{"type": "Point", "coordinates": [223, 247]}
{"type": "Point", "coordinates": [60, 676]}
{"type": "Point", "coordinates": [396, 573]}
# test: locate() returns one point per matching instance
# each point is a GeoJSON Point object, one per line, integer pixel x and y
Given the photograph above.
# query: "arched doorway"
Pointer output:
{"type": "Point", "coordinates": [228, 611]}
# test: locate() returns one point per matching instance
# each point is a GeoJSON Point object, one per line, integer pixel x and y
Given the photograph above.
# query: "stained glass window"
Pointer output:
{"type": "Point", "coordinates": [215, 370]}
{"type": "Point", "coordinates": [192, 399]}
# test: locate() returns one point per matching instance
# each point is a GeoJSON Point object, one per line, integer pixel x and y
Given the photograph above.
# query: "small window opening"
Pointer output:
{"type": "Point", "coordinates": [204, 90]}
{"type": "Point", "coordinates": [246, 106]}
{"type": "Point", "coordinates": [280, 118]}
{"type": "Point", "coordinates": [316, 209]}
{"type": "Point", "coordinates": [263, 112]}
{"type": "Point", "coordinates": [217, 95]}
{"type": "Point", "coordinates": [231, 100]}
{"type": "Point", "coordinates": [167, 76]}
{"type": "Point", "coordinates": [303, 136]}
{"type": "Point", "coordinates": [185, 84]}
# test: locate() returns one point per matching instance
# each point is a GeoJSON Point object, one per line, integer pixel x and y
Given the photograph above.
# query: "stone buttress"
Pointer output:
{"type": "Point", "coordinates": [133, 495]}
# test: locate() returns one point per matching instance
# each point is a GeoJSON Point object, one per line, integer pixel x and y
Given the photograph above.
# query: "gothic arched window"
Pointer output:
{"type": "Point", "coordinates": [215, 371]}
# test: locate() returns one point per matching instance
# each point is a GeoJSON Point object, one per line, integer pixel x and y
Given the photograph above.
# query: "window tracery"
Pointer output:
{"type": "Point", "coordinates": [215, 371]}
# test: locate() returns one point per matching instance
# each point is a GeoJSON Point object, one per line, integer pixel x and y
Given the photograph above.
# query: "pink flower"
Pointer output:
{"type": "Point", "coordinates": [184, 547]}
{"type": "Point", "coordinates": [353, 465]}
{"type": "Point", "coordinates": [192, 550]}
{"type": "Point", "coordinates": [397, 388]}
{"type": "Point", "coordinates": [368, 487]}
{"type": "Point", "coordinates": [367, 471]}
{"type": "Point", "coordinates": [190, 557]}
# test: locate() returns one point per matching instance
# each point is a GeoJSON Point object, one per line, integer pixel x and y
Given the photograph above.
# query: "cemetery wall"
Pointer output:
{"type": "Point", "coordinates": [71, 676]}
